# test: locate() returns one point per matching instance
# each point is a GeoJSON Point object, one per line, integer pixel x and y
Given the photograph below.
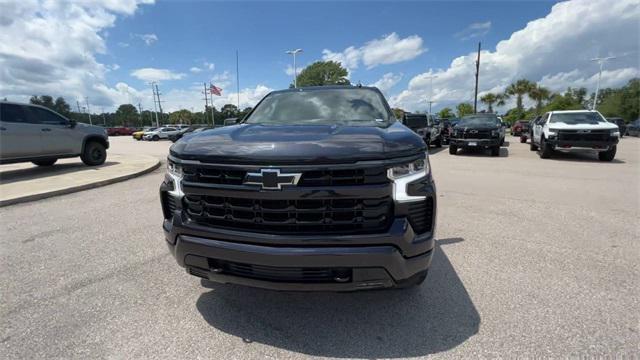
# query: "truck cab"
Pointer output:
{"type": "Point", "coordinates": [426, 126]}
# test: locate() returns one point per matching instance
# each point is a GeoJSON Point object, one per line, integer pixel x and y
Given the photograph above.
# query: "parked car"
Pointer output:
{"type": "Point", "coordinates": [633, 129]}
{"type": "Point", "coordinates": [446, 127]}
{"type": "Point", "coordinates": [139, 134]}
{"type": "Point", "coordinates": [120, 130]}
{"type": "Point", "coordinates": [189, 130]}
{"type": "Point", "coordinates": [425, 126]}
{"type": "Point", "coordinates": [160, 133]}
{"type": "Point", "coordinates": [309, 193]}
{"type": "Point", "coordinates": [478, 131]}
{"type": "Point", "coordinates": [621, 125]}
{"type": "Point", "coordinates": [575, 130]}
{"type": "Point", "coordinates": [231, 121]}
{"type": "Point", "coordinates": [42, 136]}
{"type": "Point", "coordinates": [520, 127]}
{"type": "Point", "coordinates": [524, 135]}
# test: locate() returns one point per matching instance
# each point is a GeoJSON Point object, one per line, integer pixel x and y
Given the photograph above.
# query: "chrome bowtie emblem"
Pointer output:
{"type": "Point", "coordinates": [473, 131]}
{"type": "Point", "coordinates": [584, 131]}
{"type": "Point", "coordinates": [271, 179]}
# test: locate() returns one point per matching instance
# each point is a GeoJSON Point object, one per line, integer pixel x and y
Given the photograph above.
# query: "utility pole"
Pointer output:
{"type": "Point", "coordinates": [155, 109]}
{"type": "Point", "coordinates": [78, 105]}
{"type": "Point", "coordinates": [86, 98]}
{"type": "Point", "coordinates": [600, 61]}
{"type": "Point", "coordinates": [431, 77]}
{"type": "Point", "coordinates": [295, 72]}
{"type": "Point", "coordinates": [140, 113]}
{"type": "Point", "coordinates": [159, 102]}
{"type": "Point", "coordinates": [238, 79]}
{"type": "Point", "coordinates": [104, 120]}
{"type": "Point", "coordinates": [206, 103]}
{"type": "Point", "coordinates": [475, 96]}
{"type": "Point", "coordinates": [213, 118]}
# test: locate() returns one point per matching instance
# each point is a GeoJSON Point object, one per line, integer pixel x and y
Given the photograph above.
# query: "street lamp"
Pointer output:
{"type": "Point", "coordinates": [431, 90]}
{"type": "Point", "coordinates": [600, 61]}
{"type": "Point", "coordinates": [295, 72]}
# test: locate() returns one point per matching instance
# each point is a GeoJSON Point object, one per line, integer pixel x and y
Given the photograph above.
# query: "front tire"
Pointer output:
{"type": "Point", "coordinates": [608, 155]}
{"type": "Point", "coordinates": [495, 151]}
{"type": "Point", "coordinates": [438, 143]}
{"type": "Point", "coordinates": [94, 154]}
{"type": "Point", "coordinates": [523, 139]}
{"type": "Point", "coordinates": [453, 150]}
{"type": "Point", "coordinates": [47, 162]}
{"type": "Point", "coordinates": [155, 138]}
{"type": "Point", "coordinates": [532, 145]}
{"type": "Point", "coordinates": [545, 149]}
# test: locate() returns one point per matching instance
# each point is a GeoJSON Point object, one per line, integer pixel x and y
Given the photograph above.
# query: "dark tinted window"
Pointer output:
{"type": "Point", "coordinates": [577, 118]}
{"type": "Point", "coordinates": [13, 113]}
{"type": "Point", "coordinates": [322, 107]}
{"type": "Point", "coordinates": [41, 116]}
{"type": "Point", "coordinates": [415, 121]}
{"type": "Point", "coordinates": [480, 120]}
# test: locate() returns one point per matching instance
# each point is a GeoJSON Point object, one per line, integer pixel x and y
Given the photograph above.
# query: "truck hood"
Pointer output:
{"type": "Point", "coordinates": [281, 144]}
{"type": "Point", "coordinates": [598, 126]}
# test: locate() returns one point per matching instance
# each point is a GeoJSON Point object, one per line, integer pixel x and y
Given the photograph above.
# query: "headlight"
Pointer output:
{"type": "Point", "coordinates": [553, 131]}
{"type": "Point", "coordinates": [615, 132]}
{"type": "Point", "coordinates": [495, 132]}
{"type": "Point", "coordinates": [174, 169]}
{"type": "Point", "coordinates": [420, 166]}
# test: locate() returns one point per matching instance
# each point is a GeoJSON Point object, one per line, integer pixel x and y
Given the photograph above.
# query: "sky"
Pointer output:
{"type": "Point", "coordinates": [106, 52]}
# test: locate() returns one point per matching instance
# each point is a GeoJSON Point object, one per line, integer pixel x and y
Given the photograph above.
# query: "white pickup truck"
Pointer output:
{"type": "Point", "coordinates": [574, 130]}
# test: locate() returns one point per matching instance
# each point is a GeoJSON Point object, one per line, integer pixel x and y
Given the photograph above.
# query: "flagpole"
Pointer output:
{"type": "Point", "coordinates": [238, 80]}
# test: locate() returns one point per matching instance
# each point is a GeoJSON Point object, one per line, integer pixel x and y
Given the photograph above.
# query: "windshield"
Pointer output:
{"type": "Point", "coordinates": [358, 107]}
{"type": "Point", "coordinates": [592, 118]}
{"type": "Point", "coordinates": [473, 120]}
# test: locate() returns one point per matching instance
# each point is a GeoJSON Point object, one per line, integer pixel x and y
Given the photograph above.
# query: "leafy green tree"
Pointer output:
{"type": "Point", "coordinates": [127, 115]}
{"type": "Point", "coordinates": [182, 116]}
{"type": "Point", "coordinates": [398, 113]}
{"type": "Point", "coordinates": [44, 100]}
{"type": "Point", "coordinates": [623, 102]}
{"type": "Point", "coordinates": [464, 109]}
{"type": "Point", "coordinates": [322, 73]}
{"type": "Point", "coordinates": [490, 99]}
{"type": "Point", "coordinates": [566, 101]}
{"type": "Point", "coordinates": [519, 89]}
{"type": "Point", "coordinates": [446, 113]}
{"type": "Point", "coordinates": [539, 94]}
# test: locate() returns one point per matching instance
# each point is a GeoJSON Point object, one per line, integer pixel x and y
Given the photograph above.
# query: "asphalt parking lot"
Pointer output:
{"type": "Point", "coordinates": [534, 258]}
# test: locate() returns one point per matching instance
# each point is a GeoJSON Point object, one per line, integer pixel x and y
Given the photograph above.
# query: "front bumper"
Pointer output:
{"type": "Point", "coordinates": [474, 143]}
{"type": "Point", "coordinates": [576, 145]}
{"type": "Point", "coordinates": [281, 261]}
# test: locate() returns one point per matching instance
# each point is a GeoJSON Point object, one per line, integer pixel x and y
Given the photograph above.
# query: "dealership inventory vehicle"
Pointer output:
{"type": "Point", "coordinates": [446, 128]}
{"type": "Point", "coordinates": [186, 131]}
{"type": "Point", "coordinates": [575, 130]}
{"type": "Point", "coordinates": [160, 133]}
{"type": "Point", "coordinates": [139, 134]}
{"type": "Point", "coordinates": [633, 129]}
{"type": "Point", "coordinates": [42, 136]}
{"type": "Point", "coordinates": [318, 188]}
{"type": "Point", "coordinates": [524, 135]}
{"type": "Point", "coordinates": [621, 125]}
{"type": "Point", "coordinates": [478, 131]}
{"type": "Point", "coordinates": [520, 127]}
{"type": "Point", "coordinates": [425, 126]}
{"type": "Point", "coordinates": [120, 130]}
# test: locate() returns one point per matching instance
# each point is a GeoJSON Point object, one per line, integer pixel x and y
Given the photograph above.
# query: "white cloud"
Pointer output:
{"type": "Point", "coordinates": [195, 69]}
{"type": "Point", "coordinates": [209, 66]}
{"type": "Point", "coordinates": [555, 50]}
{"type": "Point", "coordinates": [221, 80]}
{"type": "Point", "coordinates": [148, 39]}
{"type": "Point", "coordinates": [176, 99]}
{"type": "Point", "coordinates": [153, 74]}
{"type": "Point", "coordinates": [474, 30]}
{"type": "Point", "coordinates": [123, 44]}
{"type": "Point", "coordinates": [50, 47]}
{"type": "Point", "coordinates": [389, 49]}
{"type": "Point", "coordinates": [387, 81]}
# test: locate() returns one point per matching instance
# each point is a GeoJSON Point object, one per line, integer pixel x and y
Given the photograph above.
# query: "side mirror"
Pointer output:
{"type": "Point", "coordinates": [72, 123]}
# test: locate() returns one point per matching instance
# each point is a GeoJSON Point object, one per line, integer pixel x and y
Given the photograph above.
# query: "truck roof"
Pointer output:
{"type": "Point", "coordinates": [329, 87]}
{"type": "Point", "coordinates": [571, 111]}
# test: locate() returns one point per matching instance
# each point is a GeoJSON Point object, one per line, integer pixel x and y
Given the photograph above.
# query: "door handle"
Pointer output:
{"type": "Point", "coordinates": [46, 129]}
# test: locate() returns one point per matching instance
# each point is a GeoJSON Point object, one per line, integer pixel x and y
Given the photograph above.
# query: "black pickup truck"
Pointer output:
{"type": "Point", "coordinates": [425, 126]}
{"type": "Point", "coordinates": [316, 189]}
{"type": "Point", "coordinates": [478, 131]}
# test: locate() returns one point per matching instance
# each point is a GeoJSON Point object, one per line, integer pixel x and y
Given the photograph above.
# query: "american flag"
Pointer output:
{"type": "Point", "coordinates": [214, 90]}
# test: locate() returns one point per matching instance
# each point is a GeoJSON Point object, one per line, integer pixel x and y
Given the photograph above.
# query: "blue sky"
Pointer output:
{"type": "Point", "coordinates": [414, 51]}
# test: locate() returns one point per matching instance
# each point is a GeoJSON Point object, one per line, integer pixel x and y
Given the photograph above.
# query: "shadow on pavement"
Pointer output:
{"type": "Point", "coordinates": [37, 172]}
{"type": "Point", "coordinates": [581, 157]}
{"type": "Point", "coordinates": [437, 316]}
{"type": "Point", "coordinates": [435, 150]}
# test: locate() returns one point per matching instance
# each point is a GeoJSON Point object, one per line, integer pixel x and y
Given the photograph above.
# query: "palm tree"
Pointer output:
{"type": "Point", "coordinates": [489, 99]}
{"type": "Point", "coordinates": [519, 89]}
{"type": "Point", "coordinates": [539, 94]}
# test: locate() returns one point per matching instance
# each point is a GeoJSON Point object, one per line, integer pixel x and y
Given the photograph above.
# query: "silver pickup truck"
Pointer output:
{"type": "Point", "coordinates": [42, 136]}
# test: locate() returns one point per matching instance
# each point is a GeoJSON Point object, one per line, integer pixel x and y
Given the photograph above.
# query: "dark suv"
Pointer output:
{"type": "Point", "coordinates": [316, 189]}
{"type": "Point", "coordinates": [479, 131]}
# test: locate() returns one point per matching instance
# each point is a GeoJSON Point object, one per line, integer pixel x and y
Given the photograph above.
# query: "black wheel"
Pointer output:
{"type": "Point", "coordinates": [545, 149]}
{"type": "Point", "coordinates": [415, 280]}
{"type": "Point", "coordinates": [608, 155]}
{"type": "Point", "coordinates": [523, 139]}
{"type": "Point", "coordinates": [94, 154]}
{"type": "Point", "coordinates": [453, 149]}
{"type": "Point", "coordinates": [47, 162]}
{"type": "Point", "coordinates": [438, 143]}
{"type": "Point", "coordinates": [495, 151]}
{"type": "Point", "coordinates": [155, 138]}
{"type": "Point", "coordinates": [502, 142]}
{"type": "Point", "coordinates": [532, 145]}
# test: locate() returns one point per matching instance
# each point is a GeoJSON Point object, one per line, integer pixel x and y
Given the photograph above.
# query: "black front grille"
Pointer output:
{"type": "Point", "coordinates": [477, 134]}
{"type": "Point", "coordinates": [332, 177]}
{"type": "Point", "coordinates": [577, 135]}
{"type": "Point", "coordinates": [342, 215]}
{"type": "Point", "coordinates": [279, 273]}
{"type": "Point", "coordinates": [421, 215]}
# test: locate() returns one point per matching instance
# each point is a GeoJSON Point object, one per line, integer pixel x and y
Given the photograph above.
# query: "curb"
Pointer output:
{"type": "Point", "coordinates": [78, 188]}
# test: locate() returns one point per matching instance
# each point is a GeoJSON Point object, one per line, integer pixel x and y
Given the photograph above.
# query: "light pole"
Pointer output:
{"type": "Point", "coordinates": [431, 77]}
{"type": "Point", "coordinates": [600, 61]}
{"type": "Point", "coordinates": [295, 71]}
